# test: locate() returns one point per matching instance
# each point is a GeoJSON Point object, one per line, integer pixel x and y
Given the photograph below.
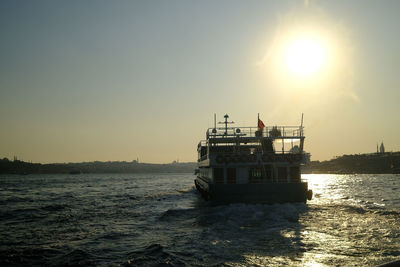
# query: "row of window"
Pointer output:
{"type": "Point", "coordinates": [204, 172]}
{"type": "Point", "coordinates": [264, 173]}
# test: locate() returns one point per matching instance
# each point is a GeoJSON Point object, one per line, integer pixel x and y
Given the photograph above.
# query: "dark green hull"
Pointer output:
{"type": "Point", "coordinates": [254, 193]}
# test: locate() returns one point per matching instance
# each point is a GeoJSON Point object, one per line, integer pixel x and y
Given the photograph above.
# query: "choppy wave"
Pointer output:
{"type": "Point", "coordinates": [153, 255]}
{"type": "Point", "coordinates": [171, 193]}
{"type": "Point", "coordinates": [160, 220]}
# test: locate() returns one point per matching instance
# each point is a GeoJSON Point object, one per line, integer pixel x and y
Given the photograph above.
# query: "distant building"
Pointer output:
{"type": "Point", "coordinates": [307, 157]}
{"type": "Point", "coordinates": [382, 148]}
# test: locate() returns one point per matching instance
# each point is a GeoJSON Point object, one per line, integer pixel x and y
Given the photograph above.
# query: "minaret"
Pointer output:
{"type": "Point", "coordinates": [382, 149]}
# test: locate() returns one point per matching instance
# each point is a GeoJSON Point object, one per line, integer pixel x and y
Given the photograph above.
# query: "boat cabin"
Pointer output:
{"type": "Point", "coordinates": [242, 155]}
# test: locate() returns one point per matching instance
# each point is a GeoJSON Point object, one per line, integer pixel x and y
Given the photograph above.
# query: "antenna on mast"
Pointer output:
{"type": "Point", "coordinates": [226, 123]}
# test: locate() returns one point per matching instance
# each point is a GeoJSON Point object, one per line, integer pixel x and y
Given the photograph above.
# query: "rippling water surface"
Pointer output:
{"type": "Point", "coordinates": [159, 219]}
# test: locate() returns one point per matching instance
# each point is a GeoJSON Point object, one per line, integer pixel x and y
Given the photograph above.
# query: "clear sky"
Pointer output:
{"type": "Point", "coordinates": [117, 80]}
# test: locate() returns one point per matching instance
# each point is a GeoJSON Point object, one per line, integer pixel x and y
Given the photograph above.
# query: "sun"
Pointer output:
{"type": "Point", "coordinates": [305, 56]}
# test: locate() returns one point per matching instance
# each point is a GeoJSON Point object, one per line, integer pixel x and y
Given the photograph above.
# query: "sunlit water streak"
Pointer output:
{"type": "Point", "coordinates": [156, 219]}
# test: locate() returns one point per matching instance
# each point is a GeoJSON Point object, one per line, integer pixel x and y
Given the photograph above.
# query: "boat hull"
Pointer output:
{"type": "Point", "coordinates": [253, 193]}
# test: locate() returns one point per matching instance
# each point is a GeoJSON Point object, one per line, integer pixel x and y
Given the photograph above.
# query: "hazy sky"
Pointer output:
{"type": "Point", "coordinates": [117, 80]}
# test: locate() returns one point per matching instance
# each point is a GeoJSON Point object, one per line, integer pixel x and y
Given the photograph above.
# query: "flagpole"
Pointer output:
{"type": "Point", "coordinates": [301, 127]}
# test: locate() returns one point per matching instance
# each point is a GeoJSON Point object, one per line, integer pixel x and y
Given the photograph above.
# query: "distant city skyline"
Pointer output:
{"type": "Point", "coordinates": [117, 81]}
{"type": "Point", "coordinates": [380, 149]}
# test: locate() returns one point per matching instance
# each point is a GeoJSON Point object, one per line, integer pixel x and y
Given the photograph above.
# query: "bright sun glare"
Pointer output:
{"type": "Point", "coordinates": [305, 56]}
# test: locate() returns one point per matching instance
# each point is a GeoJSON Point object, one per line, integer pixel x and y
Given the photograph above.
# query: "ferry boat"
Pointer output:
{"type": "Point", "coordinates": [252, 164]}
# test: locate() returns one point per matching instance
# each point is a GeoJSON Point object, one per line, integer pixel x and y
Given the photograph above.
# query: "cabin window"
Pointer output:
{"type": "Point", "coordinates": [204, 172]}
{"type": "Point", "coordinates": [255, 175]}
{"type": "Point", "coordinates": [203, 153]}
{"type": "Point", "coordinates": [231, 178]}
{"type": "Point", "coordinates": [282, 174]}
{"type": "Point", "coordinates": [295, 174]}
{"type": "Point", "coordinates": [267, 173]}
{"type": "Point", "coordinates": [219, 175]}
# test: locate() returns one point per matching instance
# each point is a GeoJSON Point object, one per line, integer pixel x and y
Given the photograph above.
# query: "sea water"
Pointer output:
{"type": "Point", "coordinates": [160, 219]}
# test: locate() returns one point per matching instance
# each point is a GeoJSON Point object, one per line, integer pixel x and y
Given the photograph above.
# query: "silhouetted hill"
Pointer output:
{"type": "Point", "coordinates": [360, 163]}
{"type": "Point", "coordinates": [21, 167]}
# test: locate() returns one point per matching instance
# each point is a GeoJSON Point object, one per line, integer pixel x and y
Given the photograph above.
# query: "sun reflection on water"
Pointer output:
{"type": "Point", "coordinates": [339, 226]}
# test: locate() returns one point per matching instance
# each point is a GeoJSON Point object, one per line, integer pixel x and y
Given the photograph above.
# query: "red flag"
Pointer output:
{"type": "Point", "coordinates": [260, 125]}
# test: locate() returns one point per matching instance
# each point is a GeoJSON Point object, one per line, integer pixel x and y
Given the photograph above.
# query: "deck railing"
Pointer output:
{"type": "Point", "coordinates": [268, 131]}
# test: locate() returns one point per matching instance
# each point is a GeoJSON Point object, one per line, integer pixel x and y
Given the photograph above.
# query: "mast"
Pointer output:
{"type": "Point", "coordinates": [301, 134]}
{"type": "Point", "coordinates": [301, 129]}
{"type": "Point", "coordinates": [226, 122]}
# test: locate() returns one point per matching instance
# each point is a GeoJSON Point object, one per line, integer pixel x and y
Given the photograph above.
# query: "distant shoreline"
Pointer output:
{"type": "Point", "coordinates": [21, 167]}
{"type": "Point", "coordinates": [374, 163]}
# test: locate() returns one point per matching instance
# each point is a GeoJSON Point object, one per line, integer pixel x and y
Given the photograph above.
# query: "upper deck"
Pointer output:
{"type": "Point", "coordinates": [251, 140]}
{"type": "Point", "coordinates": [252, 134]}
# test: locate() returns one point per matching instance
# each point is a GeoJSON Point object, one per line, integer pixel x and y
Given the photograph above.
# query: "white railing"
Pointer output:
{"type": "Point", "coordinates": [269, 131]}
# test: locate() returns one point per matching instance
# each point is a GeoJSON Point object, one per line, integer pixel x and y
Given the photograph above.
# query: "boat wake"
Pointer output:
{"type": "Point", "coordinates": [154, 255]}
{"type": "Point", "coordinates": [168, 194]}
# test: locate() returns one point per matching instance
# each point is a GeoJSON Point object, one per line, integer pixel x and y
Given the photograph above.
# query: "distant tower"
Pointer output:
{"type": "Point", "coordinates": [377, 149]}
{"type": "Point", "coordinates": [382, 148]}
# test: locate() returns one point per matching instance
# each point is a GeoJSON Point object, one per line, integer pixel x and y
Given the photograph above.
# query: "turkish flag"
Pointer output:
{"type": "Point", "coordinates": [260, 125]}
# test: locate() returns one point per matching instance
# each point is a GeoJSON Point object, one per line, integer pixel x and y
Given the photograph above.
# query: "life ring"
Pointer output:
{"type": "Point", "coordinates": [252, 158]}
{"type": "Point", "coordinates": [235, 158]}
{"type": "Point", "coordinates": [265, 158]}
{"type": "Point", "coordinates": [271, 158]}
{"type": "Point", "coordinates": [219, 159]}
